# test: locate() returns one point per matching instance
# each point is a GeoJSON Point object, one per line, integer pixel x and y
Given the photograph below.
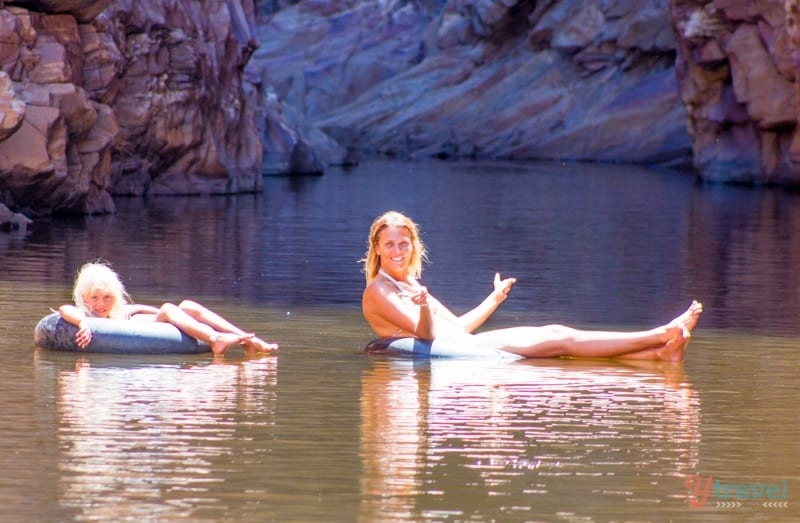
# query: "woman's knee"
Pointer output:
{"type": "Point", "coordinates": [561, 333]}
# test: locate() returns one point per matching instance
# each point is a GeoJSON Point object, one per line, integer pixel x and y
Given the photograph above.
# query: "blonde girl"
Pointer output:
{"type": "Point", "coordinates": [99, 293]}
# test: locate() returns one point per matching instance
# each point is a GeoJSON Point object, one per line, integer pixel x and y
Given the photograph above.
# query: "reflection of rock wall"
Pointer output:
{"type": "Point", "coordinates": [588, 80]}
{"type": "Point", "coordinates": [736, 69]}
{"type": "Point", "coordinates": [146, 97]}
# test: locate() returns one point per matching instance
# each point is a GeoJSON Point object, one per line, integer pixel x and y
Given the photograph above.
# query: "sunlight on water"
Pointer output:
{"type": "Point", "coordinates": [520, 430]}
{"type": "Point", "coordinates": [320, 432]}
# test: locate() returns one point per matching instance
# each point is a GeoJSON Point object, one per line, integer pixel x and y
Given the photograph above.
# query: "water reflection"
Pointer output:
{"type": "Point", "coordinates": [155, 441]}
{"type": "Point", "coordinates": [339, 433]}
{"type": "Point", "coordinates": [467, 439]}
{"type": "Point", "coordinates": [589, 244]}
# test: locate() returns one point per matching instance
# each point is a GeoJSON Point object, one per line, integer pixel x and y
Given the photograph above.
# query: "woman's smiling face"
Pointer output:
{"type": "Point", "coordinates": [100, 302]}
{"type": "Point", "coordinates": [395, 248]}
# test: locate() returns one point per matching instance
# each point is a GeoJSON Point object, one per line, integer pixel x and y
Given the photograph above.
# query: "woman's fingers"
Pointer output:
{"type": "Point", "coordinates": [505, 285]}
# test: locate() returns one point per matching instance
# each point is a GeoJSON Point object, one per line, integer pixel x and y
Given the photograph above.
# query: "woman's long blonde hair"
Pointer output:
{"type": "Point", "coordinates": [100, 275]}
{"type": "Point", "coordinates": [372, 262]}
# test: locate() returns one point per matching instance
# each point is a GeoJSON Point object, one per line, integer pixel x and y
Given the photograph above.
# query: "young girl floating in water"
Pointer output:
{"type": "Point", "coordinates": [396, 305]}
{"type": "Point", "coordinates": [99, 293]}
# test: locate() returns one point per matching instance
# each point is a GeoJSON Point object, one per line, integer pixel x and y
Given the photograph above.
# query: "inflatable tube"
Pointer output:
{"type": "Point", "coordinates": [117, 337]}
{"type": "Point", "coordinates": [417, 348]}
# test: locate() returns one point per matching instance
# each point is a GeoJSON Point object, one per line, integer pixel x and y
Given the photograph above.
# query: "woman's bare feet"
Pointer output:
{"type": "Point", "coordinates": [690, 317]}
{"type": "Point", "coordinates": [223, 341]}
{"type": "Point", "coordinates": [675, 348]}
{"type": "Point", "coordinates": [256, 345]}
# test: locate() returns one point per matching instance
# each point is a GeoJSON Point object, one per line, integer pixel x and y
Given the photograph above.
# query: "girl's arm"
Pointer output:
{"type": "Point", "coordinates": [72, 314]}
{"type": "Point", "coordinates": [135, 308]}
{"type": "Point", "coordinates": [473, 319]}
{"type": "Point", "coordinates": [77, 317]}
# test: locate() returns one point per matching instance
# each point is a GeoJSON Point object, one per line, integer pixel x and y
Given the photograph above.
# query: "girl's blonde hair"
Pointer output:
{"type": "Point", "coordinates": [99, 275]}
{"type": "Point", "coordinates": [372, 262]}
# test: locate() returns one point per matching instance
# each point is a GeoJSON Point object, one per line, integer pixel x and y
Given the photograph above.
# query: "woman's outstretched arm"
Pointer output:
{"type": "Point", "coordinates": [473, 319]}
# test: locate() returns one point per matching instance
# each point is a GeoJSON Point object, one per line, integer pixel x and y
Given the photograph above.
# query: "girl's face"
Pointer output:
{"type": "Point", "coordinates": [100, 302]}
{"type": "Point", "coordinates": [395, 249]}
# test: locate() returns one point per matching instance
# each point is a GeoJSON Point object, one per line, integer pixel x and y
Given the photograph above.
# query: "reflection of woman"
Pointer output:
{"type": "Point", "coordinates": [99, 293]}
{"type": "Point", "coordinates": [537, 433]}
{"type": "Point", "coordinates": [395, 304]}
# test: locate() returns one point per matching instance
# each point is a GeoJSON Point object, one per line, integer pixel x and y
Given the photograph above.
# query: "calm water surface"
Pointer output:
{"type": "Point", "coordinates": [322, 433]}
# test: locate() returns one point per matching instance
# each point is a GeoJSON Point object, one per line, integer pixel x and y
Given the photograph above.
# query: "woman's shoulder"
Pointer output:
{"type": "Point", "coordinates": [378, 291]}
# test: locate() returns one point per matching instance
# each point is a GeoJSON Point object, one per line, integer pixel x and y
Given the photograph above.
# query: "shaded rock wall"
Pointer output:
{"type": "Point", "coordinates": [134, 97]}
{"type": "Point", "coordinates": [517, 79]}
{"type": "Point", "coordinates": [736, 66]}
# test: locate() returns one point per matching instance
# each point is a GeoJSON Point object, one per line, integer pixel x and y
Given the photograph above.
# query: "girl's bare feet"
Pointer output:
{"type": "Point", "coordinates": [222, 341]}
{"type": "Point", "coordinates": [255, 345]}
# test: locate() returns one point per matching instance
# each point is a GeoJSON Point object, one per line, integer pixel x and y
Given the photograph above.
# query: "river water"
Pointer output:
{"type": "Point", "coordinates": [322, 433]}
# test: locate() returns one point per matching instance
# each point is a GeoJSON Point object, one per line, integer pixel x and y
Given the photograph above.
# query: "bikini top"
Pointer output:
{"type": "Point", "coordinates": [406, 289]}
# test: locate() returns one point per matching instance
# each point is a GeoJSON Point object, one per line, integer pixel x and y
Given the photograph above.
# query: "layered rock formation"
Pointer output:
{"type": "Point", "coordinates": [134, 97]}
{"type": "Point", "coordinates": [518, 79]}
{"type": "Point", "coordinates": [172, 97]}
{"type": "Point", "coordinates": [737, 70]}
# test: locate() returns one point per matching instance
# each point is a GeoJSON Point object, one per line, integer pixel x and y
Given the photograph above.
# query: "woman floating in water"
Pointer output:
{"type": "Point", "coordinates": [396, 305]}
{"type": "Point", "coordinates": [99, 293]}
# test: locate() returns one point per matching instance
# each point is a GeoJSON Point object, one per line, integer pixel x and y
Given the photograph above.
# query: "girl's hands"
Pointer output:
{"type": "Point", "coordinates": [84, 334]}
{"type": "Point", "coordinates": [502, 286]}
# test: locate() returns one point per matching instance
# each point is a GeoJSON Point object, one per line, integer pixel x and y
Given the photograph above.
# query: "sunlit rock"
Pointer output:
{"type": "Point", "coordinates": [736, 69]}
{"type": "Point", "coordinates": [100, 98]}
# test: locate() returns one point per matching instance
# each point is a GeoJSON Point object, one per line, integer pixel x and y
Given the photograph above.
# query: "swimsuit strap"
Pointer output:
{"type": "Point", "coordinates": [403, 287]}
{"type": "Point", "coordinates": [403, 292]}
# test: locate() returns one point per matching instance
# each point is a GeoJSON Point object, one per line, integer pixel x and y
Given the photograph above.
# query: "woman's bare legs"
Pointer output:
{"type": "Point", "coordinates": [205, 315]}
{"type": "Point", "coordinates": [663, 343]}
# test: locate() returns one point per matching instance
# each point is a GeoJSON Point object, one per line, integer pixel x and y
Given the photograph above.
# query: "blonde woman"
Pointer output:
{"type": "Point", "coordinates": [99, 293]}
{"type": "Point", "coordinates": [395, 304]}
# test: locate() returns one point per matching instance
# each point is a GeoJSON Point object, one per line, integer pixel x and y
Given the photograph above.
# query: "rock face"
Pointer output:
{"type": "Point", "coordinates": [99, 98]}
{"type": "Point", "coordinates": [736, 66]}
{"type": "Point", "coordinates": [517, 79]}
{"type": "Point", "coordinates": [130, 97]}
{"type": "Point", "coordinates": [186, 123]}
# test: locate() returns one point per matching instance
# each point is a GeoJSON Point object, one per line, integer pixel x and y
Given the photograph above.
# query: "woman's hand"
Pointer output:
{"type": "Point", "coordinates": [502, 287]}
{"type": "Point", "coordinates": [420, 296]}
{"type": "Point", "coordinates": [84, 334]}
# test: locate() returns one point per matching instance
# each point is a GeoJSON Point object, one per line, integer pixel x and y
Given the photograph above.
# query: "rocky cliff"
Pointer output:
{"type": "Point", "coordinates": [178, 96]}
{"type": "Point", "coordinates": [709, 85]}
{"type": "Point", "coordinates": [736, 67]}
{"type": "Point", "coordinates": [124, 97]}
{"type": "Point", "coordinates": [517, 79]}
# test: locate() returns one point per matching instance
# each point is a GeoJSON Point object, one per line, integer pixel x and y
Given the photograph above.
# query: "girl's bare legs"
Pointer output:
{"type": "Point", "coordinates": [663, 343]}
{"type": "Point", "coordinates": [219, 341]}
{"type": "Point", "coordinates": [205, 315]}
